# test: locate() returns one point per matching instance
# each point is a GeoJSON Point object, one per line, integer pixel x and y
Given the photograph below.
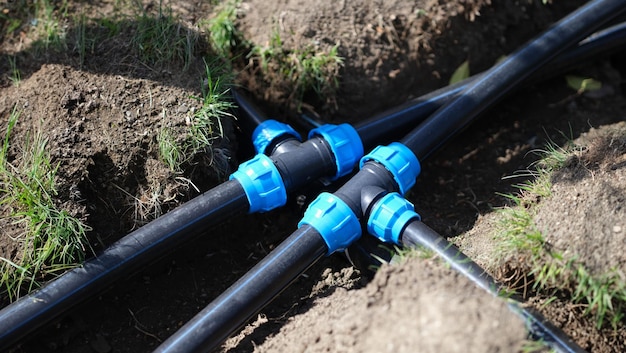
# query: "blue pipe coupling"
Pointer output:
{"type": "Point", "coordinates": [399, 160]}
{"type": "Point", "coordinates": [268, 131]}
{"type": "Point", "coordinates": [333, 220]}
{"type": "Point", "coordinates": [262, 183]}
{"type": "Point", "coordinates": [389, 216]}
{"type": "Point", "coordinates": [345, 144]}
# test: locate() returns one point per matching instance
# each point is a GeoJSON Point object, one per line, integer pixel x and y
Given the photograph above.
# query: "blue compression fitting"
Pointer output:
{"type": "Point", "coordinates": [262, 184]}
{"type": "Point", "coordinates": [334, 220]}
{"type": "Point", "coordinates": [399, 161]}
{"type": "Point", "coordinates": [389, 216]}
{"type": "Point", "coordinates": [267, 132]}
{"type": "Point", "coordinates": [345, 143]}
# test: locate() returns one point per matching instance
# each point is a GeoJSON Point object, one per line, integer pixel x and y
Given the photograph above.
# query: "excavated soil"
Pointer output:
{"type": "Point", "coordinates": [101, 117]}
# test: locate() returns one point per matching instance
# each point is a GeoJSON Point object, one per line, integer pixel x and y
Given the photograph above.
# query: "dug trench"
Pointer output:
{"type": "Point", "coordinates": [332, 307]}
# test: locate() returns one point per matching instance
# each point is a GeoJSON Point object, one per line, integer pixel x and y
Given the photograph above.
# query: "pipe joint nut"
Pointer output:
{"type": "Point", "coordinates": [389, 216]}
{"type": "Point", "coordinates": [345, 144]}
{"type": "Point", "coordinates": [334, 220]}
{"type": "Point", "coordinates": [262, 183]}
{"type": "Point", "coordinates": [399, 160]}
{"type": "Point", "coordinates": [268, 132]}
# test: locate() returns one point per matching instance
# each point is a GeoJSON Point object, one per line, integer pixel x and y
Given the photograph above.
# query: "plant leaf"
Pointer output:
{"type": "Point", "coordinates": [461, 73]}
{"type": "Point", "coordinates": [582, 84]}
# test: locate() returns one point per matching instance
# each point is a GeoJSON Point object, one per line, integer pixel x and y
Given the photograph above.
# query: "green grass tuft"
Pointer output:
{"type": "Point", "coordinates": [160, 39]}
{"type": "Point", "coordinates": [604, 295]}
{"type": "Point", "coordinates": [303, 70]}
{"type": "Point", "coordinates": [169, 150]}
{"type": "Point", "coordinates": [53, 240]}
{"type": "Point", "coordinates": [223, 33]}
{"type": "Point", "coordinates": [14, 75]}
{"type": "Point", "coordinates": [204, 127]}
{"type": "Point", "coordinates": [316, 71]}
{"type": "Point", "coordinates": [47, 25]}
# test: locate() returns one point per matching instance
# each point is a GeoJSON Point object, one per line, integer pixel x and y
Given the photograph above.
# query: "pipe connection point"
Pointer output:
{"type": "Point", "coordinates": [399, 160]}
{"type": "Point", "coordinates": [345, 143]}
{"type": "Point", "coordinates": [334, 220]}
{"type": "Point", "coordinates": [262, 184]}
{"type": "Point", "coordinates": [268, 132]}
{"type": "Point", "coordinates": [389, 216]}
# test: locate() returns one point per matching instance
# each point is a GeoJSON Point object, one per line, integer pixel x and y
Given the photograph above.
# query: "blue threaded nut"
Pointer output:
{"type": "Point", "coordinates": [399, 161]}
{"type": "Point", "coordinates": [262, 183]}
{"type": "Point", "coordinates": [268, 131]}
{"type": "Point", "coordinates": [334, 220]}
{"type": "Point", "coordinates": [345, 143]}
{"type": "Point", "coordinates": [389, 216]}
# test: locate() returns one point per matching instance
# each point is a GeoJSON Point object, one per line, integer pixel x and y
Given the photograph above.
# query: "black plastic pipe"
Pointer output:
{"type": "Point", "coordinates": [128, 255]}
{"type": "Point", "coordinates": [417, 234]}
{"type": "Point", "coordinates": [502, 78]}
{"type": "Point", "coordinates": [246, 108]}
{"type": "Point", "coordinates": [603, 42]}
{"type": "Point", "coordinates": [381, 127]}
{"type": "Point", "coordinates": [249, 117]}
{"type": "Point", "coordinates": [153, 241]}
{"type": "Point", "coordinates": [158, 238]}
{"type": "Point", "coordinates": [446, 122]}
{"type": "Point", "coordinates": [240, 302]}
{"type": "Point", "coordinates": [207, 330]}
{"type": "Point", "coordinates": [406, 115]}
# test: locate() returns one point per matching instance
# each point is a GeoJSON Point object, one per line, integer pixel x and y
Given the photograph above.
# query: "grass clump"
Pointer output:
{"type": "Point", "coordinates": [52, 240]}
{"type": "Point", "coordinates": [203, 127]}
{"type": "Point", "coordinates": [169, 150]}
{"type": "Point", "coordinates": [42, 19]}
{"type": "Point", "coordinates": [223, 34]}
{"type": "Point", "coordinates": [302, 70]}
{"type": "Point", "coordinates": [161, 39]}
{"type": "Point", "coordinates": [83, 42]}
{"type": "Point", "coordinates": [602, 295]}
{"type": "Point", "coordinates": [10, 21]}
{"type": "Point", "coordinates": [14, 74]}
{"type": "Point", "coordinates": [47, 24]}
{"type": "Point", "coordinates": [316, 71]}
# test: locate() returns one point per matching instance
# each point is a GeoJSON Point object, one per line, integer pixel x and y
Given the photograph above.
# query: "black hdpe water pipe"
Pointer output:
{"type": "Point", "coordinates": [417, 233]}
{"type": "Point", "coordinates": [156, 239]}
{"type": "Point", "coordinates": [391, 218]}
{"type": "Point", "coordinates": [400, 118]}
{"type": "Point", "coordinates": [259, 185]}
{"type": "Point", "coordinates": [502, 78]}
{"type": "Point", "coordinates": [382, 127]}
{"type": "Point", "coordinates": [332, 221]}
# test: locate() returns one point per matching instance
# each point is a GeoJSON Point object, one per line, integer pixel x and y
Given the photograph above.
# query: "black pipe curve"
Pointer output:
{"type": "Point", "coordinates": [124, 257]}
{"type": "Point", "coordinates": [248, 109]}
{"type": "Point", "coordinates": [207, 330]}
{"type": "Point", "coordinates": [424, 139]}
{"type": "Point", "coordinates": [499, 80]}
{"type": "Point", "coordinates": [416, 110]}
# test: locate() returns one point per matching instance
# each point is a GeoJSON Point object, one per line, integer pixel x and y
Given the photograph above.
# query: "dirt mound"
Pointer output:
{"type": "Point", "coordinates": [102, 131]}
{"type": "Point", "coordinates": [419, 306]}
{"type": "Point", "coordinates": [590, 192]}
{"type": "Point", "coordinates": [392, 49]}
